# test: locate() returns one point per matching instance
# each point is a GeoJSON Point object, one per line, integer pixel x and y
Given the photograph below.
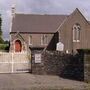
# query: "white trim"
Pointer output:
{"type": "Point", "coordinates": [76, 40]}
{"type": "Point", "coordinates": [61, 24]}
{"type": "Point", "coordinates": [14, 45]}
{"type": "Point", "coordinates": [76, 33]}
{"type": "Point", "coordinates": [30, 41]}
{"type": "Point", "coordinates": [12, 63]}
{"type": "Point", "coordinates": [44, 40]}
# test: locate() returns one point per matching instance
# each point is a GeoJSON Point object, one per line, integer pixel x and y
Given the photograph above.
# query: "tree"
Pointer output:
{"type": "Point", "coordinates": [0, 25]}
{"type": "Point", "coordinates": [1, 39]}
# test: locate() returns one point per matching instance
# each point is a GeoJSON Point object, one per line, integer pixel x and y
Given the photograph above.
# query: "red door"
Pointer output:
{"type": "Point", "coordinates": [18, 46]}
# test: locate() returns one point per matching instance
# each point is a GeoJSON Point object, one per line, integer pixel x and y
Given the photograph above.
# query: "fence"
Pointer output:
{"type": "Point", "coordinates": [14, 62]}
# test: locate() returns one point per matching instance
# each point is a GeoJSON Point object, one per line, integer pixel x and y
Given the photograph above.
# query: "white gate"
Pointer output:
{"type": "Point", "coordinates": [14, 62]}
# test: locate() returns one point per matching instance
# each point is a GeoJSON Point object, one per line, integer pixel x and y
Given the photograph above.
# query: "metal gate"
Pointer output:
{"type": "Point", "coordinates": [14, 63]}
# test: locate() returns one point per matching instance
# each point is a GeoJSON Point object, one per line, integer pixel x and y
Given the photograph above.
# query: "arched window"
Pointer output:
{"type": "Point", "coordinates": [18, 46]}
{"type": "Point", "coordinates": [76, 32]}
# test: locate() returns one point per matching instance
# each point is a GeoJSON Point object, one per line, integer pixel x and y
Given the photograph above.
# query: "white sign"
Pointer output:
{"type": "Point", "coordinates": [60, 46]}
{"type": "Point", "coordinates": [37, 58]}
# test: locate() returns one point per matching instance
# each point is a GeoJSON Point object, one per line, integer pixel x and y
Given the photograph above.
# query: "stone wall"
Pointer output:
{"type": "Point", "coordinates": [58, 63]}
{"type": "Point", "coordinates": [87, 67]}
{"type": "Point", "coordinates": [37, 68]}
{"type": "Point", "coordinates": [85, 56]}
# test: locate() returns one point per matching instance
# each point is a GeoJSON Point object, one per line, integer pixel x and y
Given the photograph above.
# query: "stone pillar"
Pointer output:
{"type": "Point", "coordinates": [87, 67]}
{"type": "Point", "coordinates": [11, 47]}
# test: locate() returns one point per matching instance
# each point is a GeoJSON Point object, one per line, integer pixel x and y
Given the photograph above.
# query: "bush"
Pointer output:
{"type": "Point", "coordinates": [84, 51]}
{"type": "Point", "coordinates": [4, 47]}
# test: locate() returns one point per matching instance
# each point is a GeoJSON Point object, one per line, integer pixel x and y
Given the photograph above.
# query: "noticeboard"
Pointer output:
{"type": "Point", "coordinates": [60, 46]}
{"type": "Point", "coordinates": [37, 58]}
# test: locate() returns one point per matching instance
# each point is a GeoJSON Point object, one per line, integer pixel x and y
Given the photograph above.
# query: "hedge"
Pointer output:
{"type": "Point", "coordinates": [4, 47]}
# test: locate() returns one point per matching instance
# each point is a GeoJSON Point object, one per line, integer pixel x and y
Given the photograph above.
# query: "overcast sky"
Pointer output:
{"type": "Point", "coordinates": [41, 7]}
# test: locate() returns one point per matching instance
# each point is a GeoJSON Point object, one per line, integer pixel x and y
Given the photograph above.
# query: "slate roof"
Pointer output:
{"type": "Point", "coordinates": [89, 22]}
{"type": "Point", "coordinates": [29, 23]}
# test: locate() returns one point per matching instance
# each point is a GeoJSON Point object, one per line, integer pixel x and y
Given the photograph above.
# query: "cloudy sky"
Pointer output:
{"type": "Point", "coordinates": [40, 7]}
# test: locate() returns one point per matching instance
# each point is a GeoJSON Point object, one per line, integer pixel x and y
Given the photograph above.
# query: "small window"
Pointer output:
{"type": "Point", "coordinates": [30, 40]}
{"type": "Point", "coordinates": [76, 33]}
{"type": "Point", "coordinates": [44, 39]}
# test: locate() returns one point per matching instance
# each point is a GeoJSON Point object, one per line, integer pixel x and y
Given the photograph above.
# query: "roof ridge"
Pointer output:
{"type": "Point", "coordinates": [37, 23]}
{"type": "Point", "coordinates": [42, 14]}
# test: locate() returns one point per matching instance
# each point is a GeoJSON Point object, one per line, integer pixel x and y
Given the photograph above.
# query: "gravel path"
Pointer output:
{"type": "Point", "coordinates": [38, 82]}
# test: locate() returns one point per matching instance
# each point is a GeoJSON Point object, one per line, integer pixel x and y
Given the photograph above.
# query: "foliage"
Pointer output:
{"type": "Point", "coordinates": [6, 42]}
{"type": "Point", "coordinates": [84, 51]}
{"type": "Point", "coordinates": [4, 47]}
{"type": "Point", "coordinates": [1, 39]}
{"type": "Point", "coordinates": [0, 25]}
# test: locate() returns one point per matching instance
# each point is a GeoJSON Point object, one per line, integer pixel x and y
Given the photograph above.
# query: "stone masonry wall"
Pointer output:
{"type": "Point", "coordinates": [87, 67]}
{"type": "Point", "coordinates": [58, 63]}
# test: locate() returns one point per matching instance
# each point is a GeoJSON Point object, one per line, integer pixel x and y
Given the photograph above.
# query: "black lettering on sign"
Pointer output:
{"type": "Point", "coordinates": [23, 70]}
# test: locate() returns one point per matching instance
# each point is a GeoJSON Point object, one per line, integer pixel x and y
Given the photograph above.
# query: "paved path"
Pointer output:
{"type": "Point", "coordinates": [38, 82]}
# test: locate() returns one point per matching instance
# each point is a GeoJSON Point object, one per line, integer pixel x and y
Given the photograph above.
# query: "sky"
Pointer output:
{"type": "Point", "coordinates": [40, 7]}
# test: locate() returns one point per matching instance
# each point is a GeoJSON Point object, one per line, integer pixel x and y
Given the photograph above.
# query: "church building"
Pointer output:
{"type": "Point", "coordinates": [43, 32]}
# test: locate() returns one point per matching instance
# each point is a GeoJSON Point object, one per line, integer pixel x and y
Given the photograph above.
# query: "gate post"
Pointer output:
{"type": "Point", "coordinates": [87, 67]}
{"type": "Point", "coordinates": [12, 63]}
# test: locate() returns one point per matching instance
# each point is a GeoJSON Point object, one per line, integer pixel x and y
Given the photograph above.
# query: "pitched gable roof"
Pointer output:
{"type": "Point", "coordinates": [78, 11]}
{"type": "Point", "coordinates": [29, 23]}
{"type": "Point", "coordinates": [18, 36]}
{"type": "Point", "coordinates": [89, 22]}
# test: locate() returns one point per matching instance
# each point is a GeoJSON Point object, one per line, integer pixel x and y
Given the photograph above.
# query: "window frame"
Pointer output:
{"type": "Point", "coordinates": [44, 39]}
{"type": "Point", "coordinates": [30, 40]}
{"type": "Point", "coordinates": [76, 32]}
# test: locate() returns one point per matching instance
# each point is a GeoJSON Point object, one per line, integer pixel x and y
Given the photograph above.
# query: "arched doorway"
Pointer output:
{"type": "Point", "coordinates": [18, 46]}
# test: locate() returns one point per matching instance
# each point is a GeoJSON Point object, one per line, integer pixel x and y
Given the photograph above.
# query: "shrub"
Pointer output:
{"type": "Point", "coordinates": [84, 51]}
{"type": "Point", "coordinates": [4, 47]}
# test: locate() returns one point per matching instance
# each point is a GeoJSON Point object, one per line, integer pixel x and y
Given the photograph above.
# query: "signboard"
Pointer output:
{"type": "Point", "coordinates": [60, 46]}
{"type": "Point", "coordinates": [37, 58]}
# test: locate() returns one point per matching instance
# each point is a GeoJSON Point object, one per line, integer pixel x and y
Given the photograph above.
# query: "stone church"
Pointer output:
{"type": "Point", "coordinates": [43, 32]}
